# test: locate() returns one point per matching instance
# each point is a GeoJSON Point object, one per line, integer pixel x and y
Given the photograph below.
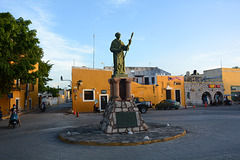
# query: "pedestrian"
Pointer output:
{"type": "Point", "coordinates": [0, 113]}
{"type": "Point", "coordinates": [96, 109]}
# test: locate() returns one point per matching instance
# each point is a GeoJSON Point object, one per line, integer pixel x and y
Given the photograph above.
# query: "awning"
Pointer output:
{"type": "Point", "coordinates": [168, 88]}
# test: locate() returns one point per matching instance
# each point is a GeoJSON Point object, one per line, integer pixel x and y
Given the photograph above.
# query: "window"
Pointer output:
{"type": "Point", "coordinates": [18, 83]}
{"type": "Point", "coordinates": [153, 80]}
{"type": "Point", "coordinates": [88, 95]}
{"type": "Point", "coordinates": [188, 95]}
{"type": "Point", "coordinates": [146, 80]}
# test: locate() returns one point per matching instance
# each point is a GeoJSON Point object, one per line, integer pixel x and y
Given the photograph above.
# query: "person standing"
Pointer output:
{"type": "Point", "coordinates": [0, 113]}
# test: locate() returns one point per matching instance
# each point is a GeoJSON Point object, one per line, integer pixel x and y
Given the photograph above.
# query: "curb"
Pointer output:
{"type": "Point", "coordinates": [122, 144]}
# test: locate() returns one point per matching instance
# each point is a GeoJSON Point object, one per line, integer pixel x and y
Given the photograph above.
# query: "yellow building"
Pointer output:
{"type": "Point", "coordinates": [167, 87]}
{"type": "Point", "coordinates": [230, 78]}
{"type": "Point", "coordinates": [18, 97]}
{"type": "Point", "coordinates": [90, 86]}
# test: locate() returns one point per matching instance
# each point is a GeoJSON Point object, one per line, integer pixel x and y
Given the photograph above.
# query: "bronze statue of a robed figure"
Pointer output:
{"type": "Point", "coordinates": [118, 48]}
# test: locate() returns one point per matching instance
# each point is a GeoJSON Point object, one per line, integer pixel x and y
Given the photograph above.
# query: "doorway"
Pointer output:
{"type": "Point", "coordinates": [103, 101]}
{"type": "Point", "coordinates": [30, 103]}
{"type": "Point", "coordinates": [168, 94]}
{"type": "Point", "coordinates": [206, 97]}
{"type": "Point", "coordinates": [178, 96]}
{"type": "Point", "coordinates": [17, 103]}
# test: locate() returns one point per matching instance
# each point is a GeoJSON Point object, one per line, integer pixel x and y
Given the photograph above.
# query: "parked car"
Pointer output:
{"type": "Point", "coordinates": [142, 104]}
{"type": "Point", "coordinates": [168, 104]}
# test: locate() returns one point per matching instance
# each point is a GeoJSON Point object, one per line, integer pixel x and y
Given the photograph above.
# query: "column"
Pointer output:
{"type": "Point", "coordinates": [129, 88]}
{"type": "Point", "coordinates": [116, 96]}
{"type": "Point", "coordinates": [110, 81]}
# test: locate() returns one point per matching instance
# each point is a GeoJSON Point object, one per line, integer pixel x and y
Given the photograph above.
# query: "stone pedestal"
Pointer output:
{"type": "Point", "coordinates": [122, 117]}
{"type": "Point", "coordinates": [121, 114]}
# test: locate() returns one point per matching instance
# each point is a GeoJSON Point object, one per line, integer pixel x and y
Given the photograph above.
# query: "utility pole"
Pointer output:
{"type": "Point", "coordinates": [93, 49]}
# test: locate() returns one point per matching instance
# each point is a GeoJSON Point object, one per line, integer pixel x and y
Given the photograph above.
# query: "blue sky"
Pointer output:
{"type": "Point", "coordinates": [174, 35]}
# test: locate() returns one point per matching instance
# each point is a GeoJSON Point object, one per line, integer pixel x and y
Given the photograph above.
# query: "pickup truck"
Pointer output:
{"type": "Point", "coordinates": [142, 104]}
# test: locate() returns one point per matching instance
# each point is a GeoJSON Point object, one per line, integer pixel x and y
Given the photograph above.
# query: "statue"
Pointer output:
{"type": "Point", "coordinates": [117, 47]}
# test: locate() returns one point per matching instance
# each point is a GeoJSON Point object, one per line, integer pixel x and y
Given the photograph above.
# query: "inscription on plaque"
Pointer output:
{"type": "Point", "coordinates": [126, 119]}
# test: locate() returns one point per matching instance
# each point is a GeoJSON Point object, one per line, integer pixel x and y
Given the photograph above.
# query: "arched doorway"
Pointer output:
{"type": "Point", "coordinates": [218, 98]}
{"type": "Point", "coordinates": [206, 97]}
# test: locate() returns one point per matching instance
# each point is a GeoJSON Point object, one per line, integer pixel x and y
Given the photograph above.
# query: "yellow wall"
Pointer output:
{"type": "Point", "coordinates": [20, 94]}
{"type": "Point", "coordinates": [4, 104]}
{"type": "Point", "coordinates": [155, 93]}
{"type": "Point", "coordinates": [230, 77]}
{"type": "Point", "coordinates": [98, 80]}
{"type": "Point", "coordinates": [91, 79]}
{"type": "Point", "coordinates": [177, 83]}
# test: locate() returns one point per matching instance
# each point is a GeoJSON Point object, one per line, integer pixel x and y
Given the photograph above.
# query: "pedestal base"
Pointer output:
{"type": "Point", "coordinates": [122, 117]}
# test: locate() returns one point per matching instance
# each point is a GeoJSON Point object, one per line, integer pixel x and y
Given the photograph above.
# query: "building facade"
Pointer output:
{"type": "Point", "coordinates": [24, 96]}
{"type": "Point", "coordinates": [230, 77]}
{"type": "Point", "coordinates": [90, 86]}
{"type": "Point", "coordinates": [143, 75]}
{"type": "Point", "coordinates": [197, 93]}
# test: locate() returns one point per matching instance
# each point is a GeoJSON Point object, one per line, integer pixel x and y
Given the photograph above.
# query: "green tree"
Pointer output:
{"type": "Point", "coordinates": [53, 91]}
{"type": "Point", "coordinates": [43, 74]}
{"type": "Point", "coordinates": [19, 52]}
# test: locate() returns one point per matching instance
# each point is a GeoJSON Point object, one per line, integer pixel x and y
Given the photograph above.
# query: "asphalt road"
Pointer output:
{"type": "Point", "coordinates": [212, 133]}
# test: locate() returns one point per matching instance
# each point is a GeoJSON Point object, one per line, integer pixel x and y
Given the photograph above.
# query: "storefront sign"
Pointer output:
{"type": "Point", "coordinates": [235, 88]}
{"type": "Point", "coordinates": [178, 78]}
{"type": "Point", "coordinates": [103, 91]}
{"type": "Point", "coordinates": [213, 86]}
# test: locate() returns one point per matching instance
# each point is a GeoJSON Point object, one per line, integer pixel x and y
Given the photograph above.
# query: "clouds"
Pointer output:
{"type": "Point", "coordinates": [61, 51]}
{"type": "Point", "coordinates": [117, 3]}
{"type": "Point", "coordinates": [175, 36]}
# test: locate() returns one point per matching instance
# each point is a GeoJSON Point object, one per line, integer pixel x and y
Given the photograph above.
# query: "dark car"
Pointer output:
{"type": "Point", "coordinates": [142, 104]}
{"type": "Point", "coordinates": [168, 104]}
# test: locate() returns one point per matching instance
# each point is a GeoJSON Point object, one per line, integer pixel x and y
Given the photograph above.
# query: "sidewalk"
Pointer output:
{"type": "Point", "coordinates": [25, 112]}
{"type": "Point", "coordinates": [21, 113]}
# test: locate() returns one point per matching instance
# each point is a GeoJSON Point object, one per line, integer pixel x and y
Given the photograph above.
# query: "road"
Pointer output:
{"type": "Point", "coordinates": [212, 133]}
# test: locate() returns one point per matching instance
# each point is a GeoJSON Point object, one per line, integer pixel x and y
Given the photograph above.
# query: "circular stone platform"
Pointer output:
{"type": "Point", "coordinates": [91, 135]}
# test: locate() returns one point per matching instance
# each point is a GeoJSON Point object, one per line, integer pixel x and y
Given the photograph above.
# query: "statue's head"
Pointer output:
{"type": "Point", "coordinates": [117, 35]}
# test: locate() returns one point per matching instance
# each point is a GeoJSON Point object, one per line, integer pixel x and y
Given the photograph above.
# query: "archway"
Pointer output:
{"type": "Point", "coordinates": [206, 97]}
{"type": "Point", "coordinates": [218, 98]}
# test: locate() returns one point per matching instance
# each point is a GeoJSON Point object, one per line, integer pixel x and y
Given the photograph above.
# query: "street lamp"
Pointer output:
{"type": "Point", "coordinates": [79, 83]}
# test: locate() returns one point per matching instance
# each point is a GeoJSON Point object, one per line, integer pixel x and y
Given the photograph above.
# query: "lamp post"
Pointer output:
{"type": "Point", "coordinates": [79, 83]}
